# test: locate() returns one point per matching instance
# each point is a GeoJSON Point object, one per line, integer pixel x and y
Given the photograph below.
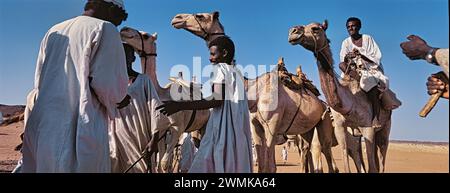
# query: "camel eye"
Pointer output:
{"type": "Point", "coordinates": [199, 16]}
{"type": "Point", "coordinates": [145, 36]}
{"type": "Point", "coordinates": [315, 29]}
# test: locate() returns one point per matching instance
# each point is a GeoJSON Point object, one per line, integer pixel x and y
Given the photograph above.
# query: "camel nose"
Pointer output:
{"type": "Point", "coordinates": [179, 17]}
{"type": "Point", "coordinates": [293, 31]}
{"type": "Point", "coordinates": [297, 30]}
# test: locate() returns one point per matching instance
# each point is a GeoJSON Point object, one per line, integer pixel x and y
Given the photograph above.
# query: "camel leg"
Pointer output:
{"type": "Point", "coordinates": [355, 152]}
{"type": "Point", "coordinates": [259, 140]}
{"type": "Point", "coordinates": [299, 144]}
{"type": "Point", "coordinates": [303, 156]}
{"type": "Point", "coordinates": [316, 153]}
{"type": "Point", "coordinates": [382, 143]}
{"type": "Point", "coordinates": [369, 139]}
{"type": "Point", "coordinates": [309, 163]}
{"type": "Point", "coordinates": [271, 166]}
{"type": "Point", "coordinates": [158, 156]}
{"type": "Point", "coordinates": [340, 132]}
{"type": "Point", "coordinates": [332, 166]}
{"type": "Point", "coordinates": [304, 150]}
{"type": "Point", "coordinates": [325, 130]}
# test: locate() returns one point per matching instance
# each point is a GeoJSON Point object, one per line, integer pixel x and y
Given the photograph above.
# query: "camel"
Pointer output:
{"type": "Point", "coordinates": [297, 112]}
{"type": "Point", "coordinates": [203, 25]}
{"type": "Point", "coordinates": [350, 105]}
{"type": "Point", "coordinates": [145, 46]}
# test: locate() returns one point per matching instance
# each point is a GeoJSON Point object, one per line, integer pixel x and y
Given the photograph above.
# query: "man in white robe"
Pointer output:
{"type": "Point", "coordinates": [135, 124]}
{"type": "Point", "coordinates": [362, 50]}
{"type": "Point", "coordinates": [226, 146]}
{"type": "Point", "coordinates": [80, 77]}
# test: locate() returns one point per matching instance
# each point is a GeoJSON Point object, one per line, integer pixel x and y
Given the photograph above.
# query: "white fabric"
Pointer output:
{"type": "Point", "coordinates": [226, 146]}
{"type": "Point", "coordinates": [185, 92]}
{"type": "Point", "coordinates": [80, 76]}
{"type": "Point", "coordinates": [284, 154]}
{"type": "Point", "coordinates": [119, 3]}
{"type": "Point", "coordinates": [31, 99]}
{"type": "Point", "coordinates": [371, 75]}
{"type": "Point", "coordinates": [134, 126]}
{"type": "Point", "coordinates": [188, 151]}
{"type": "Point", "coordinates": [442, 59]}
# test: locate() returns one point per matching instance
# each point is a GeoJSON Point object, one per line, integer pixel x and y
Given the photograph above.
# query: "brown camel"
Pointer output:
{"type": "Point", "coordinates": [350, 105]}
{"type": "Point", "coordinates": [296, 112]}
{"type": "Point", "coordinates": [184, 121]}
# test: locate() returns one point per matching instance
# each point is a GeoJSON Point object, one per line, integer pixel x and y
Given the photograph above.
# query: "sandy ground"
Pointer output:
{"type": "Point", "coordinates": [402, 157]}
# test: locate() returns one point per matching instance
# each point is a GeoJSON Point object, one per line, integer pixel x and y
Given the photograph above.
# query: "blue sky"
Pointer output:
{"type": "Point", "coordinates": [259, 30]}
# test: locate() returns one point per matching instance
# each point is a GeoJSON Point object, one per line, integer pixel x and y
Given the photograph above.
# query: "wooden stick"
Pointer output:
{"type": "Point", "coordinates": [430, 104]}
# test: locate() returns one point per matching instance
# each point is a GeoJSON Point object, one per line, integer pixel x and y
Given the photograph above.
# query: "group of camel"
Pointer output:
{"type": "Point", "coordinates": [344, 118]}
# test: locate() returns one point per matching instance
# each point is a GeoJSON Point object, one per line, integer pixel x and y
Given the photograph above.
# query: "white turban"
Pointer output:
{"type": "Point", "coordinates": [119, 3]}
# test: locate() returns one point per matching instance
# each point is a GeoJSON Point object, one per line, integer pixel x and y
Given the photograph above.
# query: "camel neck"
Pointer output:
{"type": "Point", "coordinates": [336, 95]}
{"type": "Point", "coordinates": [213, 37]}
{"type": "Point", "coordinates": [148, 63]}
{"type": "Point", "coordinates": [251, 90]}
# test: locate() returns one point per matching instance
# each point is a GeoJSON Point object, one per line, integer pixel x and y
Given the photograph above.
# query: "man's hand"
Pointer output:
{"type": "Point", "coordinates": [124, 102]}
{"type": "Point", "coordinates": [416, 48]}
{"type": "Point", "coordinates": [169, 108]}
{"type": "Point", "coordinates": [435, 84]}
{"type": "Point", "coordinates": [351, 55]}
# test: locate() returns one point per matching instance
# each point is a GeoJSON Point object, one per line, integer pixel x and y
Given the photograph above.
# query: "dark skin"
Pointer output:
{"type": "Point", "coordinates": [434, 84]}
{"type": "Point", "coordinates": [130, 58]}
{"type": "Point", "coordinates": [110, 15]}
{"type": "Point", "coordinates": [416, 49]}
{"type": "Point", "coordinates": [353, 29]}
{"type": "Point", "coordinates": [213, 101]}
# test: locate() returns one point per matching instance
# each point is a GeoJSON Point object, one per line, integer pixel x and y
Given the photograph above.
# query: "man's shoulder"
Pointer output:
{"type": "Point", "coordinates": [347, 40]}
{"type": "Point", "coordinates": [367, 36]}
{"type": "Point", "coordinates": [85, 21]}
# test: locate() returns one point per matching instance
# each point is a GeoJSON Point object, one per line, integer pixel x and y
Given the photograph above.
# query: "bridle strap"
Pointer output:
{"type": "Point", "coordinates": [142, 52]}
{"type": "Point", "coordinates": [206, 35]}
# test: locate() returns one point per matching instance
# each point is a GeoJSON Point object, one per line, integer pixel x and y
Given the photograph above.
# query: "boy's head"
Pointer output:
{"type": "Point", "coordinates": [221, 50]}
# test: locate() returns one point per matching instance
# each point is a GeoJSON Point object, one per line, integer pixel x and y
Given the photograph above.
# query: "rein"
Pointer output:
{"type": "Point", "coordinates": [142, 52]}
{"type": "Point", "coordinates": [205, 35]}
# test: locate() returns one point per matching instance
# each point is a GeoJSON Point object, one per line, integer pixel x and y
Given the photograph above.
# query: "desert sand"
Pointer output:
{"type": "Point", "coordinates": [402, 157]}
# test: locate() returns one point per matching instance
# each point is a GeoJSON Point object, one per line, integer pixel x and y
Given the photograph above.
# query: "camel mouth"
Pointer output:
{"type": "Point", "coordinates": [295, 39]}
{"type": "Point", "coordinates": [178, 24]}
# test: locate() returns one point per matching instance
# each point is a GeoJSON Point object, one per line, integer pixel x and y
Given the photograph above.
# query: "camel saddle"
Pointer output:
{"type": "Point", "coordinates": [295, 82]}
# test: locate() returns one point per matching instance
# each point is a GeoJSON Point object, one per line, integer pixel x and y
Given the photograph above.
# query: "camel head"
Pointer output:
{"type": "Point", "coordinates": [142, 42]}
{"type": "Point", "coordinates": [203, 25]}
{"type": "Point", "coordinates": [312, 36]}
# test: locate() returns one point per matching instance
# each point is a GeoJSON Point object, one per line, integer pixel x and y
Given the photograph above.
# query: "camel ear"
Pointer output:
{"type": "Point", "coordinates": [154, 36]}
{"type": "Point", "coordinates": [216, 15]}
{"type": "Point", "coordinates": [280, 61]}
{"type": "Point", "coordinates": [145, 35]}
{"type": "Point", "coordinates": [324, 25]}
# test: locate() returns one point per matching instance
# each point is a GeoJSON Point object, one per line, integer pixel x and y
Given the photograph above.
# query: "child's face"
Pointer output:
{"type": "Point", "coordinates": [215, 55]}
